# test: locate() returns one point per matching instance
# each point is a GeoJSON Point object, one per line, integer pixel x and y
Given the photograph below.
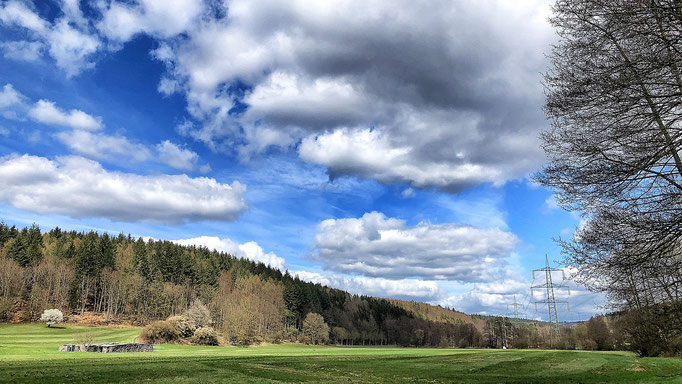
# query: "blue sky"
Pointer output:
{"type": "Point", "coordinates": [391, 160]}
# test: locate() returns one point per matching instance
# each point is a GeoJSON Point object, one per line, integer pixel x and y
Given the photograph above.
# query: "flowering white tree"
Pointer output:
{"type": "Point", "coordinates": [52, 316]}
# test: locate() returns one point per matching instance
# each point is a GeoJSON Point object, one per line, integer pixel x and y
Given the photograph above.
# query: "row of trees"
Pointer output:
{"type": "Point", "coordinates": [598, 333]}
{"type": "Point", "coordinates": [614, 97]}
{"type": "Point", "coordinates": [139, 281]}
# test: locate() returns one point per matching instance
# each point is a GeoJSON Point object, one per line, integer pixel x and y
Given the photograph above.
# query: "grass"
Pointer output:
{"type": "Point", "coordinates": [28, 353]}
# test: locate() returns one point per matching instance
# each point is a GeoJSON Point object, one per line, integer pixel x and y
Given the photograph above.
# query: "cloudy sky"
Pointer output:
{"type": "Point", "coordinates": [382, 147]}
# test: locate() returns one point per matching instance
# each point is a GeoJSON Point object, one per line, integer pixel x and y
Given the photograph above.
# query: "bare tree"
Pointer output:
{"type": "Point", "coordinates": [613, 97]}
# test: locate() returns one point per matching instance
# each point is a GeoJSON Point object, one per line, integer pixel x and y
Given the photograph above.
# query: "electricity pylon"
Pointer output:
{"type": "Point", "coordinates": [515, 311]}
{"type": "Point", "coordinates": [550, 286]}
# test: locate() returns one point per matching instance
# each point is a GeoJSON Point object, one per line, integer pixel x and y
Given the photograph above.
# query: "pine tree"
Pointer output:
{"type": "Point", "coordinates": [33, 244]}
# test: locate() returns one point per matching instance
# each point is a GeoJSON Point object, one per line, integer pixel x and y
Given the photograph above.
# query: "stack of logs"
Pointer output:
{"type": "Point", "coordinates": [108, 347]}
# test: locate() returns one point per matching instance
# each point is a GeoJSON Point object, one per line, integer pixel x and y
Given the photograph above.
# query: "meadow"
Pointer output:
{"type": "Point", "coordinates": [28, 353]}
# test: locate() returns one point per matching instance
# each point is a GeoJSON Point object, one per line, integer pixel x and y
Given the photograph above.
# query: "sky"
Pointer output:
{"type": "Point", "coordinates": [381, 147]}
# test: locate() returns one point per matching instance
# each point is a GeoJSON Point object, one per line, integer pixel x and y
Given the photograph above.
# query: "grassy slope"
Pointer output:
{"type": "Point", "coordinates": [28, 353]}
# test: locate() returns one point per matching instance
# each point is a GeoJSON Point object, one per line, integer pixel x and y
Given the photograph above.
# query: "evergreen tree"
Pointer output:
{"type": "Point", "coordinates": [33, 245]}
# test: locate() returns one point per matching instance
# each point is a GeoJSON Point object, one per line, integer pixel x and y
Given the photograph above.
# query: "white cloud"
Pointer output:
{"type": "Point", "coordinates": [4, 131]}
{"type": "Point", "coordinates": [79, 187]}
{"type": "Point", "coordinates": [405, 92]}
{"type": "Point", "coordinates": [102, 146]}
{"type": "Point", "coordinates": [81, 140]}
{"type": "Point", "coordinates": [177, 157]}
{"type": "Point", "coordinates": [551, 204]}
{"type": "Point", "coordinates": [160, 18]}
{"type": "Point", "coordinates": [71, 48]}
{"type": "Point", "coordinates": [68, 40]}
{"type": "Point", "coordinates": [22, 50]}
{"type": "Point", "coordinates": [249, 250]}
{"type": "Point", "coordinates": [406, 289]}
{"type": "Point", "coordinates": [408, 193]}
{"type": "Point", "coordinates": [374, 245]}
{"type": "Point", "coordinates": [10, 97]}
{"type": "Point", "coordinates": [12, 103]}
{"type": "Point", "coordinates": [46, 112]}
{"type": "Point", "coordinates": [16, 13]}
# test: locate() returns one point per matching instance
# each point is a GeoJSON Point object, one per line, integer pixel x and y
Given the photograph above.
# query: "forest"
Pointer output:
{"type": "Point", "coordinates": [138, 281]}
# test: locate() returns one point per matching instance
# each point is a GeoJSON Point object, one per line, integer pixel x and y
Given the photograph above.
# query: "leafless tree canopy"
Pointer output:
{"type": "Point", "coordinates": [613, 98]}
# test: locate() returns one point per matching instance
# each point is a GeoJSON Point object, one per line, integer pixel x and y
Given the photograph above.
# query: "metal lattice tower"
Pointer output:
{"type": "Point", "coordinates": [550, 286]}
{"type": "Point", "coordinates": [515, 311]}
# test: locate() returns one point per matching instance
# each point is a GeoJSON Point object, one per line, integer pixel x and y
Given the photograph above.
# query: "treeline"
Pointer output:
{"type": "Point", "coordinates": [129, 279]}
{"type": "Point", "coordinates": [604, 333]}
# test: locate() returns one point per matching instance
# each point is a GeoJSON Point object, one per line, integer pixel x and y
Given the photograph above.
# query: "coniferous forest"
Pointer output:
{"type": "Point", "coordinates": [136, 281]}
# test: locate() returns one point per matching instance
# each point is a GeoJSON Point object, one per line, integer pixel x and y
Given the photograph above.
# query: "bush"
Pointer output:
{"type": "Point", "coordinates": [205, 336]}
{"type": "Point", "coordinates": [303, 339]}
{"type": "Point", "coordinates": [85, 338]}
{"type": "Point", "coordinates": [160, 332]}
{"type": "Point", "coordinates": [200, 314]}
{"type": "Point", "coordinates": [183, 324]}
{"type": "Point", "coordinates": [52, 316]}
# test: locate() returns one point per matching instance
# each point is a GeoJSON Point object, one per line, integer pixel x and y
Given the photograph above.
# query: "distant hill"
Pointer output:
{"type": "Point", "coordinates": [438, 314]}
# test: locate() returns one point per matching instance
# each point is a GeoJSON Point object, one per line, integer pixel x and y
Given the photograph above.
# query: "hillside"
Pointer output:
{"type": "Point", "coordinates": [438, 314]}
{"type": "Point", "coordinates": [127, 279]}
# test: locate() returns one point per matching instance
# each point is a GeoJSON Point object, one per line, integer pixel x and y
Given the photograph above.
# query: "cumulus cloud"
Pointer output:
{"type": "Point", "coordinates": [79, 187]}
{"type": "Point", "coordinates": [249, 250]}
{"type": "Point", "coordinates": [102, 146]}
{"type": "Point", "coordinates": [406, 289]}
{"type": "Point", "coordinates": [82, 139]}
{"type": "Point", "coordinates": [431, 94]}
{"type": "Point", "coordinates": [47, 112]}
{"type": "Point", "coordinates": [16, 13]}
{"type": "Point", "coordinates": [10, 97]}
{"type": "Point", "coordinates": [176, 157]}
{"type": "Point", "coordinates": [161, 18]}
{"type": "Point", "coordinates": [68, 40]}
{"type": "Point", "coordinates": [375, 245]}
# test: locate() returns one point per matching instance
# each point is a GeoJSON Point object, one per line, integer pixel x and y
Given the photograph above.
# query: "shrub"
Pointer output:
{"type": "Point", "coordinates": [160, 332]}
{"type": "Point", "coordinates": [200, 314]}
{"type": "Point", "coordinates": [205, 336]}
{"type": "Point", "coordinates": [85, 338]}
{"type": "Point", "coordinates": [183, 324]}
{"type": "Point", "coordinates": [52, 316]}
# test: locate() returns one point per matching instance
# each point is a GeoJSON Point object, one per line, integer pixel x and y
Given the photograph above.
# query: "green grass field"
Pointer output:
{"type": "Point", "coordinates": [28, 353]}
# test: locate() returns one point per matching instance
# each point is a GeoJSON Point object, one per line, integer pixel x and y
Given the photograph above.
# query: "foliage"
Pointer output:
{"type": "Point", "coordinates": [160, 332]}
{"type": "Point", "coordinates": [599, 332]}
{"type": "Point", "coordinates": [52, 316]}
{"type": "Point", "coordinates": [6, 305]}
{"type": "Point", "coordinates": [183, 325]}
{"type": "Point", "coordinates": [252, 310]}
{"type": "Point", "coordinates": [205, 336]}
{"type": "Point", "coordinates": [653, 331]}
{"type": "Point", "coordinates": [199, 314]}
{"type": "Point", "coordinates": [84, 338]}
{"type": "Point", "coordinates": [316, 329]}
